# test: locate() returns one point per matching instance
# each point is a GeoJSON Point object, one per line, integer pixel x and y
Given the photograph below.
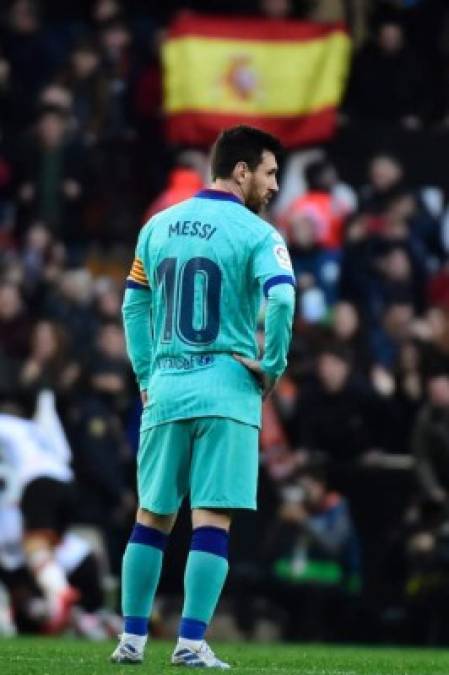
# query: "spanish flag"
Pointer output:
{"type": "Point", "coordinates": [286, 77]}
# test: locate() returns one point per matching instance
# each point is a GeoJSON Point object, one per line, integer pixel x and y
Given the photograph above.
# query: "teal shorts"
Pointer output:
{"type": "Point", "coordinates": [213, 460]}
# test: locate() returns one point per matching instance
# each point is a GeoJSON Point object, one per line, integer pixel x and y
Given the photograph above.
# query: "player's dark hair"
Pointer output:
{"type": "Point", "coordinates": [241, 144]}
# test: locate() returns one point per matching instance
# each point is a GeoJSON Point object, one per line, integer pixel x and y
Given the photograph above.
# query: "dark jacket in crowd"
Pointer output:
{"type": "Point", "coordinates": [343, 424]}
{"type": "Point", "coordinates": [430, 446]}
{"type": "Point", "coordinates": [385, 87]}
{"type": "Point", "coordinates": [96, 440]}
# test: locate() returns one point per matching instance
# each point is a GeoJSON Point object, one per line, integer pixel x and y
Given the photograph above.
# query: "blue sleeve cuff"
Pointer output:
{"type": "Point", "coordinates": [279, 279]}
{"type": "Point", "coordinates": [134, 284]}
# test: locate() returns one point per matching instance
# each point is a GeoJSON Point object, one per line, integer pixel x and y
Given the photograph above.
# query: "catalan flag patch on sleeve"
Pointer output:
{"type": "Point", "coordinates": [137, 277]}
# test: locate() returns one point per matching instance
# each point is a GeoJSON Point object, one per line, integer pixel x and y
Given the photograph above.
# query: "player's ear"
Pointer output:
{"type": "Point", "coordinates": [240, 172]}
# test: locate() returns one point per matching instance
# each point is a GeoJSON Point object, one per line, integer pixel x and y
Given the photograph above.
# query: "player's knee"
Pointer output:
{"type": "Point", "coordinates": [159, 522]}
{"type": "Point", "coordinates": [211, 518]}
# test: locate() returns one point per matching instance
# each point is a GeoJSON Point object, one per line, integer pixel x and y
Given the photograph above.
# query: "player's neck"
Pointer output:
{"type": "Point", "coordinates": [229, 185]}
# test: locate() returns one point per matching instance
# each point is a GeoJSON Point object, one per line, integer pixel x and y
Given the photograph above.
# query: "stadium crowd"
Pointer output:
{"type": "Point", "coordinates": [354, 497]}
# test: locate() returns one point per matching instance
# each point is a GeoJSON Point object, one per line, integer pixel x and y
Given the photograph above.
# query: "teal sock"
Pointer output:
{"type": "Point", "coordinates": [205, 575]}
{"type": "Point", "coordinates": [141, 570]}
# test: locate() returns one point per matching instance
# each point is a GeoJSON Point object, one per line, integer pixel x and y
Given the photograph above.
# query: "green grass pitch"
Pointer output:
{"type": "Point", "coordinates": [49, 656]}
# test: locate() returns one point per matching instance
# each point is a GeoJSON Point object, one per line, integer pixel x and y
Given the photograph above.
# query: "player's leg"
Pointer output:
{"type": "Point", "coordinates": [205, 575]}
{"type": "Point", "coordinates": [224, 477]}
{"type": "Point", "coordinates": [89, 619]}
{"type": "Point", "coordinates": [206, 571]}
{"type": "Point", "coordinates": [46, 508]}
{"type": "Point", "coordinates": [162, 483]}
{"type": "Point", "coordinates": [141, 571]}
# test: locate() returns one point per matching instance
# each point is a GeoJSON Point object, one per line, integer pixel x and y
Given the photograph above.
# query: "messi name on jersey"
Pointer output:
{"type": "Point", "coordinates": [191, 228]}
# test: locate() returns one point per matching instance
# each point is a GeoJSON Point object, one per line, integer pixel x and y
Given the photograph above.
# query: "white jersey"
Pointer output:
{"type": "Point", "coordinates": [11, 533]}
{"type": "Point", "coordinates": [30, 452]}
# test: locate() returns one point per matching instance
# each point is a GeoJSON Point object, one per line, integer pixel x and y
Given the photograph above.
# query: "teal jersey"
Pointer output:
{"type": "Point", "coordinates": [201, 266]}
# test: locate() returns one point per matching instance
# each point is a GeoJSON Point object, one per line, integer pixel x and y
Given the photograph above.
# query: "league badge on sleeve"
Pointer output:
{"type": "Point", "coordinates": [283, 257]}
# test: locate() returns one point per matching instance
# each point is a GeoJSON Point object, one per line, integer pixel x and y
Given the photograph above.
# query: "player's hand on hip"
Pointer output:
{"type": "Point", "coordinates": [267, 382]}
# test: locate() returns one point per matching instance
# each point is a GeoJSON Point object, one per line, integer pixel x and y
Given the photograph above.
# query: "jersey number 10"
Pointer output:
{"type": "Point", "coordinates": [192, 299]}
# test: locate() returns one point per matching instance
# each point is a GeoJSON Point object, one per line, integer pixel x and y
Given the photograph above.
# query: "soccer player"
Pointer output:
{"type": "Point", "coordinates": [190, 313]}
{"type": "Point", "coordinates": [39, 471]}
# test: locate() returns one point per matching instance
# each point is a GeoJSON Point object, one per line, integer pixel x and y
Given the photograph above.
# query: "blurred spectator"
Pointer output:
{"type": "Point", "coordinates": [102, 457]}
{"type": "Point", "coordinates": [432, 331]}
{"type": "Point", "coordinates": [387, 81]}
{"type": "Point", "coordinates": [43, 261]}
{"type": "Point", "coordinates": [315, 559]}
{"type": "Point", "coordinates": [398, 212]}
{"type": "Point", "coordinates": [50, 179]}
{"type": "Point", "coordinates": [14, 322]}
{"type": "Point", "coordinates": [319, 204]}
{"type": "Point", "coordinates": [28, 53]}
{"type": "Point", "coordinates": [6, 92]}
{"type": "Point", "coordinates": [88, 87]}
{"type": "Point", "coordinates": [114, 207]}
{"type": "Point", "coordinates": [69, 303]}
{"type": "Point", "coordinates": [108, 301]}
{"type": "Point", "coordinates": [430, 441]}
{"type": "Point", "coordinates": [184, 181]}
{"type": "Point", "coordinates": [316, 267]}
{"type": "Point", "coordinates": [394, 329]}
{"type": "Point", "coordinates": [276, 9]}
{"type": "Point", "coordinates": [110, 375]}
{"type": "Point", "coordinates": [49, 365]}
{"type": "Point", "coordinates": [7, 206]}
{"type": "Point", "coordinates": [398, 284]}
{"type": "Point", "coordinates": [426, 582]}
{"type": "Point", "coordinates": [105, 10]}
{"type": "Point", "coordinates": [56, 97]}
{"type": "Point", "coordinates": [348, 331]}
{"type": "Point", "coordinates": [357, 265]}
{"type": "Point", "coordinates": [408, 393]}
{"type": "Point", "coordinates": [340, 418]}
{"type": "Point", "coordinates": [386, 177]}
{"type": "Point", "coordinates": [438, 288]}
{"type": "Point", "coordinates": [115, 39]}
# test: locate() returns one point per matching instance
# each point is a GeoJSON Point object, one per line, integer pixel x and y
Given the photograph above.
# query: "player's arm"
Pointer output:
{"type": "Point", "coordinates": [278, 328]}
{"type": "Point", "coordinates": [272, 267]}
{"type": "Point", "coordinates": [137, 323]}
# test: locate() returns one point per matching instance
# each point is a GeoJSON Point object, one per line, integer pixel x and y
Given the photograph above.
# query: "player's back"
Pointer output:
{"type": "Point", "coordinates": [26, 447]}
{"type": "Point", "coordinates": [198, 258]}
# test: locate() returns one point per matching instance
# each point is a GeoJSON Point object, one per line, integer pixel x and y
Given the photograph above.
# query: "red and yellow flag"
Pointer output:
{"type": "Point", "coordinates": [286, 77]}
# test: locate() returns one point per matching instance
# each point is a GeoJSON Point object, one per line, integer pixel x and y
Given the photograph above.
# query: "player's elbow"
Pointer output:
{"type": "Point", "coordinates": [135, 304]}
{"type": "Point", "coordinates": [283, 296]}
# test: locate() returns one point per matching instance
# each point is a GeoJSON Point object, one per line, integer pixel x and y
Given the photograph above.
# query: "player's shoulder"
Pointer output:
{"type": "Point", "coordinates": [264, 232]}
{"type": "Point", "coordinates": [251, 219]}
